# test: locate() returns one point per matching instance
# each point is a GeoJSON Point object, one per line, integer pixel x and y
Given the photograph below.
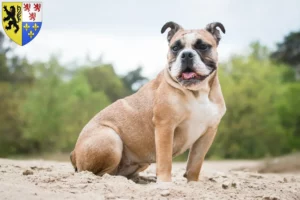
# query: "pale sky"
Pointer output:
{"type": "Point", "coordinates": [127, 32]}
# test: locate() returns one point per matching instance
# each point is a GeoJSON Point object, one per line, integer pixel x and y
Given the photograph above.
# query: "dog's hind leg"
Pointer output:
{"type": "Point", "coordinates": [73, 160]}
{"type": "Point", "coordinates": [99, 152]}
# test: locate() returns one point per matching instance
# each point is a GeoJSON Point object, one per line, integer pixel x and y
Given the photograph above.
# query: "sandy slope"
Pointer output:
{"type": "Point", "coordinates": [56, 180]}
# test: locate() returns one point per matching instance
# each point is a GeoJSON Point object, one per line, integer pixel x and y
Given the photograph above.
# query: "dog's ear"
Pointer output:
{"type": "Point", "coordinates": [174, 28]}
{"type": "Point", "coordinates": [212, 28]}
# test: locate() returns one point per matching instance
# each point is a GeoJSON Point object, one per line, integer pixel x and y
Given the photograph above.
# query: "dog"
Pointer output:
{"type": "Point", "coordinates": [180, 109]}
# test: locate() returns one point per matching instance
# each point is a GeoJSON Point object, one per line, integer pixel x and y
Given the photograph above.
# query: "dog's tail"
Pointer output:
{"type": "Point", "coordinates": [73, 160]}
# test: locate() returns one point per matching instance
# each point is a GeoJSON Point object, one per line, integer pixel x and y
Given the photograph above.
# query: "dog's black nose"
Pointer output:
{"type": "Point", "coordinates": [185, 56]}
{"type": "Point", "coordinates": [187, 59]}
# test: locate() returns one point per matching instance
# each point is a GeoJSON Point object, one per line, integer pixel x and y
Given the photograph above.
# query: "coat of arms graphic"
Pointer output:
{"type": "Point", "coordinates": [22, 21]}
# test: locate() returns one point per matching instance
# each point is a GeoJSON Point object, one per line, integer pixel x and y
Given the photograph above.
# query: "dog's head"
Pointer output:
{"type": "Point", "coordinates": [192, 55]}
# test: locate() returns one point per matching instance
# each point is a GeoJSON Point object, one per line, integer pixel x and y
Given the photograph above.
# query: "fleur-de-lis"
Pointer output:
{"type": "Point", "coordinates": [35, 26]}
{"type": "Point", "coordinates": [26, 27]}
{"type": "Point", "coordinates": [31, 34]}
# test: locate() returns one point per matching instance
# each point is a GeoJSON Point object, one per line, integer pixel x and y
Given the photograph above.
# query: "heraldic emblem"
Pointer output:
{"type": "Point", "coordinates": [22, 21]}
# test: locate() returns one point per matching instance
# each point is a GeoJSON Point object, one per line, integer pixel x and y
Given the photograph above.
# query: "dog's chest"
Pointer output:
{"type": "Point", "coordinates": [203, 114]}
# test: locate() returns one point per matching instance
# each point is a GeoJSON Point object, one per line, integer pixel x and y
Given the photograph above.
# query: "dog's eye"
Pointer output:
{"type": "Point", "coordinates": [175, 48]}
{"type": "Point", "coordinates": [202, 47]}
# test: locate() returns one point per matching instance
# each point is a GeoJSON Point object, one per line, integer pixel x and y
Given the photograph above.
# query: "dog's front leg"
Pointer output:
{"type": "Point", "coordinates": [197, 154]}
{"type": "Point", "coordinates": [164, 147]}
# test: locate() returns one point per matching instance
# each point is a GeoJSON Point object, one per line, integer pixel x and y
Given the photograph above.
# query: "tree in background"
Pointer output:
{"type": "Point", "coordinates": [288, 52]}
{"type": "Point", "coordinates": [104, 78]}
{"type": "Point", "coordinates": [252, 86]}
{"type": "Point", "coordinates": [289, 111]}
{"type": "Point", "coordinates": [134, 79]}
{"type": "Point", "coordinates": [4, 73]}
{"type": "Point", "coordinates": [15, 79]}
{"type": "Point", "coordinates": [56, 110]}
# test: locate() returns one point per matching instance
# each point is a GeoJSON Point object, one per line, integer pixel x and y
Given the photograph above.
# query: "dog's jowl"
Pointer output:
{"type": "Point", "coordinates": [180, 109]}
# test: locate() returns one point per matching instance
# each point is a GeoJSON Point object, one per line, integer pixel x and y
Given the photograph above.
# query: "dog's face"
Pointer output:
{"type": "Point", "coordinates": [192, 56]}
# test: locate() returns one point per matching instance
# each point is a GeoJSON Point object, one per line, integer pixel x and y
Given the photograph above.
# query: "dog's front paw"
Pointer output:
{"type": "Point", "coordinates": [190, 177]}
{"type": "Point", "coordinates": [163, 185]}
{"type": "Point", "coordinates": [163, 188]}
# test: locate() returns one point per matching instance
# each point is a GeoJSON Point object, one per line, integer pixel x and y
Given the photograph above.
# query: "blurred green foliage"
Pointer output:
{"type": "Point", "coordinates": [259, 101]}
{"type": "Point", "coordinates": [44, 105]}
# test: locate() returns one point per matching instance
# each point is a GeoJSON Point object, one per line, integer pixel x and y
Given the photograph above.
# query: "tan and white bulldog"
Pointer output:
{"type": "Point", "coordinates": [180, 109]}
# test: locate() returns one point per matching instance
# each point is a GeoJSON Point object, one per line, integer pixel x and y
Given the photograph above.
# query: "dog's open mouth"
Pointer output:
{"type": "Point", "coordinates": [191, 75]}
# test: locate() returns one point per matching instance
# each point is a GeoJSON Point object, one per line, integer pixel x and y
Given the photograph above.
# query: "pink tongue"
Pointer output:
{"type": "Point", "coordinates": [188, 75]}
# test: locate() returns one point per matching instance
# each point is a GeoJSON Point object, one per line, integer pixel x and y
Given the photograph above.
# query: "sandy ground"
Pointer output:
{"type": "Point", "coordinates": [38, 179]}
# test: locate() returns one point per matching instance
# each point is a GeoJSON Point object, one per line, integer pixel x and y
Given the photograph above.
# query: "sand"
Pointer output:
{"type": "Point", "coordinates": [38, 179]}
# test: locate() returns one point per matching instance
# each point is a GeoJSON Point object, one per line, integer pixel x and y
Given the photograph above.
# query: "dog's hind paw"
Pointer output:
{"type": "Point", "coordinates": [144, 179]}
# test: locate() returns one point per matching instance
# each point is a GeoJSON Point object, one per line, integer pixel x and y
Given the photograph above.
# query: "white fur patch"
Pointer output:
{"type": "Point", "coordinates": [176, 66]}
{"type": "Point", "coordinates": [190, 39]}
{"type": "Point", "coordinates": [204, 113]}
